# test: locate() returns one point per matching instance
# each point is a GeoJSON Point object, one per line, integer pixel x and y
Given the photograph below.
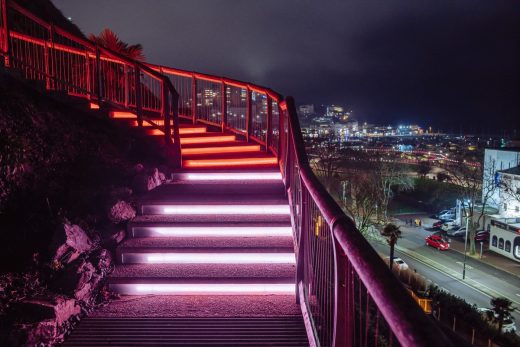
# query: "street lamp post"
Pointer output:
{"type": "Point", "coordinates": [465, 246]}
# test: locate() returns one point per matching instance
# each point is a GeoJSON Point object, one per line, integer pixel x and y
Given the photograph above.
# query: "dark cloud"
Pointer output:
{"type": "Point", "coordinates": [451, 64]}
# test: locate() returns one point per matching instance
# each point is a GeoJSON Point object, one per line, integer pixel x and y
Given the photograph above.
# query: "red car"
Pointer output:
{"type": "Point", "coordinates": [438, 242]}
{"type": "Point", "coordinates": [482, 236]}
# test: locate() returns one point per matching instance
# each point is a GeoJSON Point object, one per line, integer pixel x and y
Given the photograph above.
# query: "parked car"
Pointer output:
{"type": "Point", "coordinates": [443, 212]}
{"type": "Point", "coordinates": [436, 241]}
{"type": "Point", "coordinates": [399, 263]}
{"type": "Point", "coordinates": [447, 215]}
{"type": "Point", "coordinates": [438, 224]}
{"type": "Point", "coordinates": [482, 236]}
{"type": "Point", "coordinates": [508, 325]}
{"type": "Point", "coordinates": [457, 232]}
{"type": "Point", "coordinates": [449, 225]}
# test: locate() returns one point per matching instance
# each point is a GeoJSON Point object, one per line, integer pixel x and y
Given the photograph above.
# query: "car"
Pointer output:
{"type": "Point", "coordinates": [444, 212]}
{"type": "Point", "coordinates": [450, 224]}
{"type": "Point", "coordinates": [482, 236]}
{"type": "Point", "coordinates": [436, 241]}
{"type": "Point", "coordinates": [508, 325]}
{"type": "Point", "coordinates": [399, 263]}
{"type": "Point", "coordinates": [447, 215]}
{"type": "Point", "coordinates": [457, 232]}
{"type": "Point", "coordinates": [438, 224]}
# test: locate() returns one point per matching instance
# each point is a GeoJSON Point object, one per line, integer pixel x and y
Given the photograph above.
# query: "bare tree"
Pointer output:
{"type": "Point", "coordinates": [475, 189]}
{"type": "Point", "coordinates": [361, 198]}
{"type": "Point", "coordinates": [327, 159]}
{"type": "Point", "coordinates": [391, 176]}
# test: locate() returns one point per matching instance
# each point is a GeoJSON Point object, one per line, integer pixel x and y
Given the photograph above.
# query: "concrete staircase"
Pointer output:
{"type": "Point", "coordinates": [209, 260]}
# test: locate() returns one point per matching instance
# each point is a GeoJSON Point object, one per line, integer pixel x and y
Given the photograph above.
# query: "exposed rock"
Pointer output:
{"type": "Point", "coordinates": [119, 236]}
{"type": "Point", "coordinates": [139, 168]}
{"type": "Point", "coordinates": [75, 277]}
{"type": "Point", "coordinates": [43, 333]}
{"type": "Point", "coordinates": [120, 212]}
{"type": "Point", "coordinates": [76, 243]}
{"type": "Point", "coordinates": [143, 183]}
{"type": "Point", "coordinates": [56, 307]}
{"type": "Point", "coordinates": [102, 260]}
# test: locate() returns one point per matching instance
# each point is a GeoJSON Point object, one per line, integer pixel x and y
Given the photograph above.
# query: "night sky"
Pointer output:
{"type": "Point", "coordinates": [448, 64]}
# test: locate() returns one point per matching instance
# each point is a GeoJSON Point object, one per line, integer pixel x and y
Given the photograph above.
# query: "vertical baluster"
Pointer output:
{"type": "Point", "coordinates": [194, 99]}
{"type": "Point", "coordinates": [5, 34]}
{"type": "Point", "coordinates": [223, 105]}
{"type": "Point", "coordinates": [98, 77]}
{"type": "Point", "coordinates": [138, 105]}
{"type": "Point", "coordinates": [269, 122]}
{"type": "Point", "coordinates": [166, 114]}
{"type": "Point", "coordinates": [249, 111]}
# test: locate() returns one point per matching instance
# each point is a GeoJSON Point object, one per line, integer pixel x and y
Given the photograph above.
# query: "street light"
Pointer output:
{"type": "Point", "coordinates": [465, 244]}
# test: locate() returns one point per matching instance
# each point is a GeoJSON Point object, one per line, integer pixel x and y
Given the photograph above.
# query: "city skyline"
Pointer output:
{"type": "Point", "coordinates": [451, 65]}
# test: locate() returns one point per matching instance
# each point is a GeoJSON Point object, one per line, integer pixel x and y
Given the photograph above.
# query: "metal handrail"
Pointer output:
{"type": "Point", "coordinates": [169, 97]}
{"type": "Point", "coordinates": [353, 267]}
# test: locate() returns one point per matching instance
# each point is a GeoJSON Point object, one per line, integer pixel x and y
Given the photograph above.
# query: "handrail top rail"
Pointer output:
{"type": "Point", "coordinates": [92, 45]}
{"type": "Point", "coordinates": [219, 79]}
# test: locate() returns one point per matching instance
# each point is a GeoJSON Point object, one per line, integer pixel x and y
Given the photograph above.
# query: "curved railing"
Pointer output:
{"type": "Point", "coordinates": [67, 63]}
{"type": "Point", "coordinates": [347, 294]}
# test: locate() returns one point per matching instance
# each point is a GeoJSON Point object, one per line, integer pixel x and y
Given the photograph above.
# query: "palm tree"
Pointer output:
{"type": "Point", "coordinates": [392, 233]}
{"type": "Point", "coordinates": [108, 39]}
{"type": "Point", "coordinates": [503, 307]}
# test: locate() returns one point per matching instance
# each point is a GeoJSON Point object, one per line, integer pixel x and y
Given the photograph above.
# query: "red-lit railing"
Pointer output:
{"type": "Point", "coordinates": [67, 63]}
{"type": "Point", "coordinates": [347, 294]}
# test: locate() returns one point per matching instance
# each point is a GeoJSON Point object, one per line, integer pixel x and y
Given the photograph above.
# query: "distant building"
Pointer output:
{"type": "Point", "coordinates": [335, 111]}
{"type": "Point", "coordinates": [306, 110]}
{"type": "Point", "coordinates": [504, 166]}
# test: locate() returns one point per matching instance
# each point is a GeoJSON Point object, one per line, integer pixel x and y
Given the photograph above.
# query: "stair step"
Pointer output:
{"type": "Point", "coordinates": [246, 161]}
{"type": "Point", "coordinates": [209, 272]}
{"type": "Point", "coordinates": [257, 176]}
{"type": "Point", "coordinates": [189, 331]}
{"type": "Point", "coordinates": [233, 147]}
{"type": "Point", "coordinates": [206, 256]}
{"type": "Point", "coordinates": [221, 243]}
{"type": "Point", "coordinates": [203, 286]}
{"type": "Point", "coordinates": [218, 210]}
{"type": "Point", "coordinates": [210, 233]}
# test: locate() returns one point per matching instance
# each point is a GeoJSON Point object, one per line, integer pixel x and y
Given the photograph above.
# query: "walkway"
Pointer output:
{"type": "Point", "coordinates": [209, 260]}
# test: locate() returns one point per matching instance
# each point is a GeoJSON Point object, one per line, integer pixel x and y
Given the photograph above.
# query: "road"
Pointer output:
{"type": "Point", "coordinates": [444, 268]}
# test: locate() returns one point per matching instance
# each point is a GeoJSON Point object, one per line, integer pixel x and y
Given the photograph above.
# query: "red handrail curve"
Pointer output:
{"type": "Point", "coordinates": [345, 266]}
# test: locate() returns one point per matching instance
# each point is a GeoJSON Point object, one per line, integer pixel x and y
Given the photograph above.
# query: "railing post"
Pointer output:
{"type": "Point", "coordinates": [5, 33]}
{"type": "Point", "coordinates": [224, 105]}
{"type": "Point", "coordinates": [166, 114]}
{"type": "Point", "coordinates": [138, 104]}
{"type": "Point", "coordinates": [249, 109]}
{"type": "Point", "coordinates": [87, 75]}
{"type": "Point", "coordinates": [127, 85]}
{"type": "Point", "coordinates": [46, 60]}
{"type": "Point", "coordinates": [269, 123]}
{"type": "Point", "coordinates": [302, 238]}
{"type": "Point", "coordinates": [194, 99]}
{"type": "Point", "coordinates": [341, 337]}
{"type": "Point", "coordinates": [176, 133]}
{"type": "Point", "coordinates": [99, 82]}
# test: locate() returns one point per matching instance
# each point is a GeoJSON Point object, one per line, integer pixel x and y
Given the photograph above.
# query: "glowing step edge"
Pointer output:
{"type": "Point", "coordinates": [217, 209]}
{"type": "Point", "coordinates": [182, 131]}
{"type": "Point", "coordinates": [208, 139]}
{"type": "Point", "coordinates": [212, 231]}
{"type": "Point", "coordinates": [205, 288]}
{"type": "Point", "coordinates": [122, 115]}
{"type": "Point", "coordinates": [229, 162]}
{"type": "Point", "coordinates": [216, 150]}
{"type": "Point", "coordinates": [228, 176]}
{"type": "Point", "coordinates": [207, 258]}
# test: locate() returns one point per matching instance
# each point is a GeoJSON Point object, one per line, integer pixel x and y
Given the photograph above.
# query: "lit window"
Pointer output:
{"type": "Point", "coordinates": [501, 243]}
{"type": "Point", "coordinates": [494, 241]}
{"type": "Point", "coordinates": [508, 246]}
